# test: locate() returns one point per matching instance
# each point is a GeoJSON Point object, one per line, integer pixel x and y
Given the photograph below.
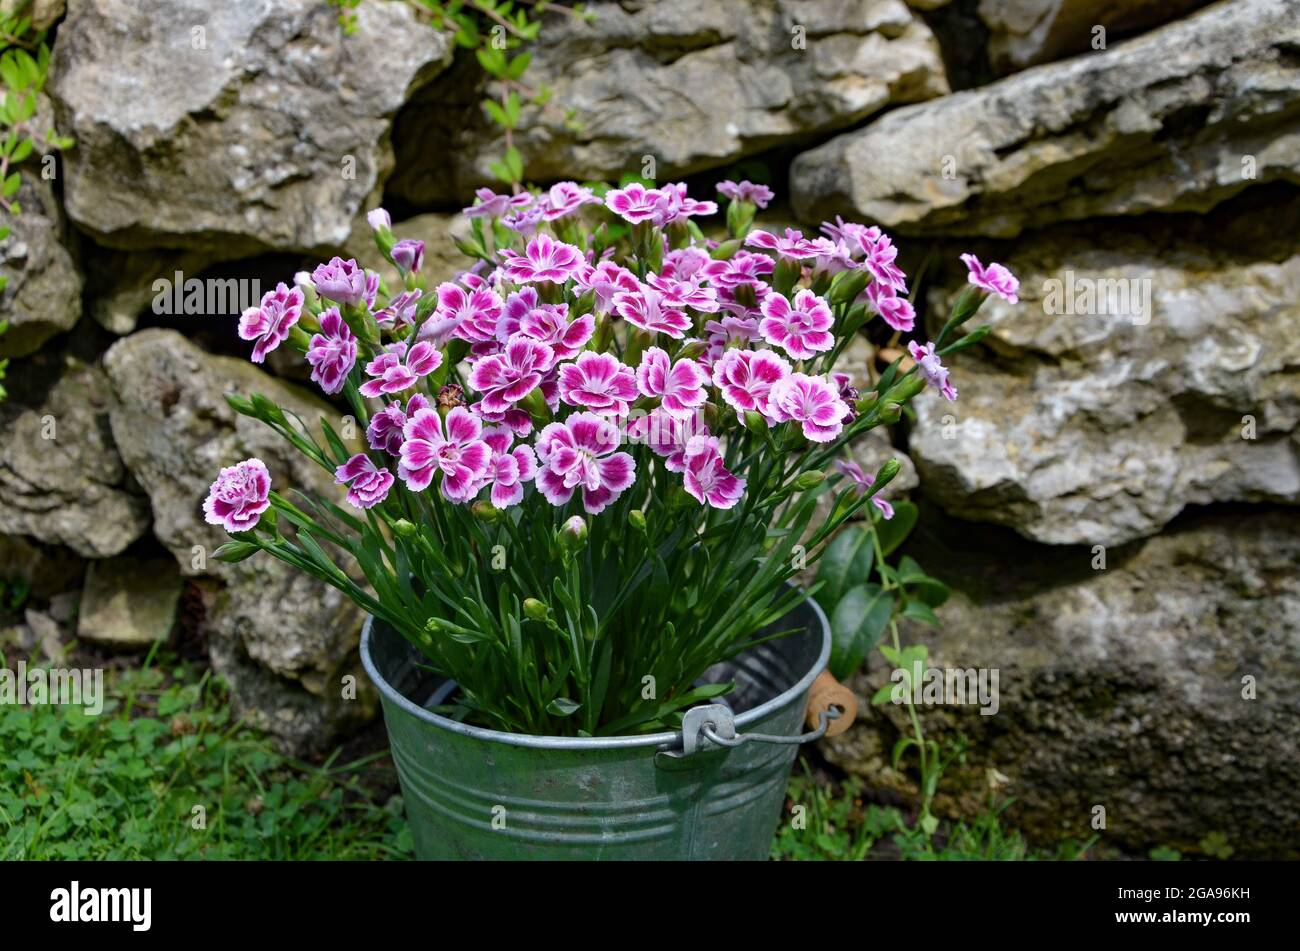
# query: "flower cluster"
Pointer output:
{"type": "Point", "coordinates": [603, 356]}
{"type": "Point", "coordinates": [579, 348]}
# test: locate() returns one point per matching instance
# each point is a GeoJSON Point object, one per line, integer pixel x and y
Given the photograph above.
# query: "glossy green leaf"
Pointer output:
{"type": "Point", "coordinates": [857, 624]}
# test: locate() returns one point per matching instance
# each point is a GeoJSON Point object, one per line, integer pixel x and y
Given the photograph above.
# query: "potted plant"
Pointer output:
{"type": "Point", "coordinates": [589, 476]}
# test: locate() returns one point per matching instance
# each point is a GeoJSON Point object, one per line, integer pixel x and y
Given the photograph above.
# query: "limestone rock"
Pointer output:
{"type": "Point", "coordinates": [1175, 120]}
{"type": "Point", "coordinates": [175, 432]}
{"type": "Point", "coordinates": [1025, 32]}
{"type": "Point", "coordinates": [693, 85]}
{"type": "Point", "coordinates": [129, 602]}
{"type": "Point", "coordinates": [42, 297]}
{"type": "Point", "coordinates": [233, 126]}
{"type": "Point", "coordinates": [62, 481]}
{"type": "Point", "coordinates": [1124, 687]}
{"type": "Point", "coordinates": [1093, 427]}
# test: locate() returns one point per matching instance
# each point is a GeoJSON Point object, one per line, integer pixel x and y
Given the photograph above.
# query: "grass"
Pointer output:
{"type": "Point", "coordinates": [835, 824]}
{"type": "Point", "coordinates": [164, 773]}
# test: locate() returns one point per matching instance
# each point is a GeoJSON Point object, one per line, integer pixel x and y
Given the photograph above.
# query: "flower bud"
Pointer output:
{"type": "Point", "coordinates": [572, 535]}
{"type": "Point", "coordinates": [785, 274]}
{"type": "Point", "coordinates": [905, 389]}
{"type": "Point", "coordinates": [890, 413]}
{"type": "Point", "coordinates": [726, 250]}
{"type": "Point", "coordinates": [636, 518]}
{"type": "Point", "coordinates": [535, 404]}
{"type": "Point", "coordinates": [967, 305]}
{"type": "Point", "coordinates": [854, 319]}
{"type": "Point", "coordinates": [755, 422]}
{"type": "Point", "coordinates": [712, 416]}
{"type": "Point", "coordinates": [265, 409]}
{"type": "Point", "coordinates": [864, 405]}
{"type": "Point", "coordinates": [848, 285]}
{"type": "Point", "coordinates": [885, 475]}
{"type": "Point", "coordinates": [234, 552]}
{"type": "Point", "coordinates": [239, 404]}
{"type": "Point", "coordinates": [408, 255]}
{"type": "Point", "coordinates": [535, 610]}
{"type": "Point", "coordinates": [485, 511]}
{"type": "Point", "coordinates": [379, 220]}
{"type": "Point", "coordinates": [404, 528]}
{"type": "Point", "coordinates": [809, 480]}
{"type": "Point", "coordinates": [692, 350]}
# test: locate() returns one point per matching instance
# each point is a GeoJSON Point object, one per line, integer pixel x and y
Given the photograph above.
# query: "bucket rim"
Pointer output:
{"type": "Point", "coordinates": [656, 740]}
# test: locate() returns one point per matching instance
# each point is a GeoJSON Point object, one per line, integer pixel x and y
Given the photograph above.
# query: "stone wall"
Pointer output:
{"type": "Point", "coordinates": [1143, 397]}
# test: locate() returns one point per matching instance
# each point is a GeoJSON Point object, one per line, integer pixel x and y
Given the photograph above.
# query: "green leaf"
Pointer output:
{"type": "Point", "coordinates": [562, 707]}
{"type": "Point", "coordinates": [920, 611]}
{"type": "Point", "coordinates": [497, 114]}
{"type": "Point", "coordinates": [12, 184]}
{"type": "Point", "coordinates": [857, 625]}
{"type": "Point", "coordinates": [893, 532]}
{"type": "Point", "coordinates": [846, 562]}
{"type": "Point", "coordinates": [515, 162]}
{"type": "Point", "coordinates": [519, 65]}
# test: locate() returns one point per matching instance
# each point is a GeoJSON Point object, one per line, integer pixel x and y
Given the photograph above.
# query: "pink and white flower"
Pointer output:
{"type": "Point", "coordinates": [398, 368]}
{"type": "Point", "coordinates": [509, 468]}
{"type": "Point", "coordinates": [270, 322]}
{"type": "Point", "coordinates": [565, 198]}
{"type": "Point", "coordinates": [492, 205]}
{"type": "Point", "coordinates": [597, 381]}
{"type": "Point", "coordinates": [549, 324]}
{"type": "Point", "coordinates": [742, 269]}
{"type": "Point", "coordinates": [995, 279]}
{"type": "Point", "coordinates": [793, 245]}
{"type": "Point", "coordinates": [851, 233]}
{"type": "Point", "coordinates": [801, 329]}
{"type": "Point", "coordinates": [684, 264]}
{"type": "Point", "coordinates": [408, 255]}
{"type": "Point", "coordinates": [524, 222]}
{"type": "Point", "coordinates": [746, 377]}
{"type": "Point", "coordinates": [506, 378]}
{"type": "Point", "coordinates": [896, 311]}
{"type": "Point", "coordinates": [367, 483]}
{"type": "Point", "coordinates": [864, 481]}
{"type": "Point", "coordinates": [544, 260]}
{"type": "Point", "coordinates": [457, 452]}
{"type": "Point", "coordinates": [400, 311]}
{"type": "Point", "coordinates": [706, 477]}
{"type": "Point", "coordinates": [757, 195]}
{"type": "Point", "coordinates": [469, 314]}
{"type": "Point", "coordinates": [673, 205]}
{"type": "Point", "coordinates": [239, 496]}
{"type": "Point", "coordinates": [878, 259]}
{"type": "Point", "coordinates": [666, 435]}
{"type": "Point", "coordinates": [810, 401]}
{"type": "Point", "coordinates": [648, 310]}
{"type": "Point", "coordinates": [343, 282]}
{"type": "Point", "coordinates": [635, 203]}
{"type": "Point", "coordinates": [333, 352]}
{"type": "Point", "coordinates": [685, 293]}
{"type": "Point", "coordinates": [385, 430]}
{"type": "Point", "coordinates": [580, 453]}
{"type": "Point", "coordinates": [678, 386]}
{"type": "Point", "coordinates": [929, 366]}
{"type": "Point", "coordinates": [606, 280]}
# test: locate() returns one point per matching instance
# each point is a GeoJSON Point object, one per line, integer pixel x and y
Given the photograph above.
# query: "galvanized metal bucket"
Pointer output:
{"type": "Point", "coordinates": [713, 790]}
